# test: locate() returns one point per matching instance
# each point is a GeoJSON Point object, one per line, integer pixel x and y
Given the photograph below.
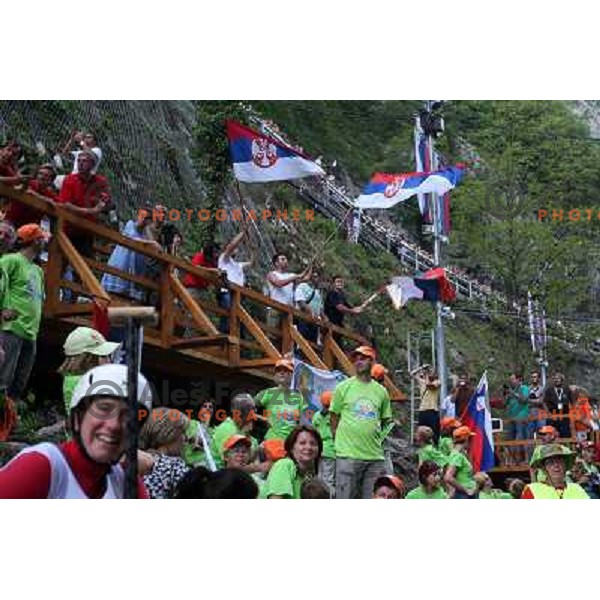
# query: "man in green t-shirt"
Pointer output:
{"type": "Point", "coordinates": [240, 423]}
{"type": "Point", "coordinates": [282, 406]}
{"type": "Point", "coordinates": [21, 312]}
{"type": "Point", "coordinates": [360, 411]}
{"type": "Point", "coordinates": [427, 450]}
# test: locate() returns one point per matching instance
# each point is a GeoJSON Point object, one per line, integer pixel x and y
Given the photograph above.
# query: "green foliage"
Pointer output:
{"type": "Point", "coordinates": [211, 157]}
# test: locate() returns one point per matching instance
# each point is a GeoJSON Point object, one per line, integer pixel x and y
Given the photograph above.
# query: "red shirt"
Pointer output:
{"type": "Point", "coordinates": [29, 475]}
{"type": "Point", "coordinates": [21, 214]}
{"type": "Point", "coordinates": [192, 281]}
{"type": "Point", "coordinates": [7, 171]}
{"type": "Point", "coordinates": [84, 194]}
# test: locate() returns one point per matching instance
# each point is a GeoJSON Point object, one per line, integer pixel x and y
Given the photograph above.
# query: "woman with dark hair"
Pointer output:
{"type": "Point", "coordinates": [304, 447]}
{"type": "Point", "coordinates": [202, 484]}
{"type": "Point", "coordinates": [430, 478]}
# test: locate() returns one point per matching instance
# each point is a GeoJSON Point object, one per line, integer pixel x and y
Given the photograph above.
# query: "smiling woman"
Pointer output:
{"type": "Point", "coordinates": [304, 447]}
{"type": "Point", "coordinates": [88, 465]}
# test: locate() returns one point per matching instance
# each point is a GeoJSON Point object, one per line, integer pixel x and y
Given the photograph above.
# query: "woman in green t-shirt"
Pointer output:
{"type": "Point", "coordinates": [304, 447]}
{"type": "Point", "coordinates": [85, 348]}
{"type": "Point", "coordinates": [459, 474]}
{"type": "Point", "coordinates": [430, 478]}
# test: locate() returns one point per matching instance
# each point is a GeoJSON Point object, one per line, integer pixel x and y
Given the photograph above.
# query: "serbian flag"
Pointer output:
{"type": "Point", "coordinates": [479, 420]}
{"type": "Point", "coordinates": [258, 158]}
{"type": "Point", "coordinates": [386, 190]}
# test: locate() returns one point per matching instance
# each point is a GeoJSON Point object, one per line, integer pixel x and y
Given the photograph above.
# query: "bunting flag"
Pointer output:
{"type": "Point", "coordinates": [537, 324]}
{"type": "Point", "coordinates": [386, 190]}
{"type": "Point", "coordinates": [258, 158]}
{"type": "Point", "coordinates": [423, 164]}
{"type": "Point", "coordinates": [432, 286]}
{"type": "Point", "coordinates": [479, 420]}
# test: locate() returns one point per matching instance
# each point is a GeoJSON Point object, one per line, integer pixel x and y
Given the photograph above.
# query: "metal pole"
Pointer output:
{"type": "Point", "coordinates": [133, 368]}
{"type": "Point", "coordinates": [412, 385]}
{"type": "Point", "coordinates": [438, 262]}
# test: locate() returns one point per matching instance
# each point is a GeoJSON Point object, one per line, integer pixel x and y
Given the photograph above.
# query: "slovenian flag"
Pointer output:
{"type": "Point", "coordinates": [479, 420]}
{"type": "Point", "coordinates": [386, 190]}
{"type": "Point", "coordinates": [258, 158]}
{"type": "Point", "coordinates": [432, 286]}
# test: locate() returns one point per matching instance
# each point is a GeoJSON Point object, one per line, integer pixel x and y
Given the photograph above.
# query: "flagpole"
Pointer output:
{"type": "Point", "coordinates": [438, 262]}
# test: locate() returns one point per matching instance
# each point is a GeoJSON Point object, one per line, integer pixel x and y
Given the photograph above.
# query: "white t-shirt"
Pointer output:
{"type": "Point", "coordinates": [98, 154]}
{"type": "Point", "coordinates": [284, 294]}
{"type": "Point", "coordinates": [234, 269]}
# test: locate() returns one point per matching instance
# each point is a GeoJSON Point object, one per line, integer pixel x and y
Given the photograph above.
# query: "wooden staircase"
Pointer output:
{"type": "Point", "coordinates": [249, 348]}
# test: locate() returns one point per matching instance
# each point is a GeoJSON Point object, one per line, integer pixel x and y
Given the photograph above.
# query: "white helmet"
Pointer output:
{"type": "Point", "coordinates": [110, 380]}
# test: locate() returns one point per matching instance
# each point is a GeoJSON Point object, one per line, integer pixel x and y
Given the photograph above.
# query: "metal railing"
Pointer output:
{"type": "Point", "coordinates": [332, 201]}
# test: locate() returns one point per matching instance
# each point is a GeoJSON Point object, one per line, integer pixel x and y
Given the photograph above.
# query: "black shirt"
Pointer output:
{"type": "Point", "coordinates": [332, 299]}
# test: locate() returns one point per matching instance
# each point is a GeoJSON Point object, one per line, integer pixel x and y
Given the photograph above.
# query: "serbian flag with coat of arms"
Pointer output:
{"type": "Point", "coordinates": [478, 419]}
{"type": "Point", "coordinates": [386, 190]}
{"type": "Point", "coordinates": [258, 158]}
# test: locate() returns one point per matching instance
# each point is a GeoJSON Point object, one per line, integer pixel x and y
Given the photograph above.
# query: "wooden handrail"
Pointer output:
{"type": "Point", "coordinates": [225, 348]}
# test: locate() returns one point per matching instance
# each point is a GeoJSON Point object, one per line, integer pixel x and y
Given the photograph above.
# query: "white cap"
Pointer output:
{"type": "Point", "coordinates": [110, 380]}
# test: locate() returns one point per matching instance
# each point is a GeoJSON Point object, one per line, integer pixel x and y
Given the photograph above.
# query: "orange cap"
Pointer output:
{"type": "Point", "coordinates": [32, 232]}
{"type": "Point", "coordinates": [395, 481]}
{"type": "Point", "coordinates": [326, 397]}
{"type": "Point", "coordinates": [462, 433]}
{"type": "Point", "coordinates": [274, 449]}
{"type": "Point", "coordinates": [286, 363]}
{"type": "Point", "coordinates": [449, 423]}
{"type": "Point", "coordinates": [231, 441]}
{"type": "Point", "coordinates": [547, 429]}
{"type": "Point", "coordinates": [378, 371]}
{"type": "Point", "coordinates": [365, 351]}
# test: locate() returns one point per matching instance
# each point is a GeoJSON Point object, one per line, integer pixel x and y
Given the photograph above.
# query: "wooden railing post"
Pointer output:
{"type": "Point", "coordinates": [167, 312]}
{"type": "Point", "coordinates": [54, 269]}
{"type": "Point", "coordinates": [287, 322]}
{"type": "Point", "coordinates": [234, 328]}
{"type": "Point", "coordinates": [328, 357]}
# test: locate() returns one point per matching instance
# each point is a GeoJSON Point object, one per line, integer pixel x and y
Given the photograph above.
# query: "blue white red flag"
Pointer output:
{"type": "Point", "coordinates": [386, 190]}
{"type": "Point", "coordinates": [479, 419]}
{"type": "Point", "coordinates": [258, 158]}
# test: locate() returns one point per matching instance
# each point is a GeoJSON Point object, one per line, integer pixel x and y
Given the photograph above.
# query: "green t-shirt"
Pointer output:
{"type": "Point", "coordinates": [285, 409]}
{"type": "Point", "coordinates": [283, 480]}
{"type": "Point", "coordinates": [430, 452]}
{"type": "Point", "coordinates": [419, 493]}
{"type": "Point", "coordinates": [362, 407]}
{"type": "Point", "coordinates": [69, 383]}
{"type": "Point", "coordinates": [515, 409]}
{"type": "Point", "coordinates": [261, 483]}
{"type": "Point", "coordinates": [221, 434]}
{"type": "Point", "coordinates": [445, 445]}
{"type": "Point", "coordinates": [24, 293]}
{"type": "Point", "coordinates": [495, 494]}
{"type": "Point", "coordinates": [322, 423]}
{"type": "Point", "coordinates": [464, 470]}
